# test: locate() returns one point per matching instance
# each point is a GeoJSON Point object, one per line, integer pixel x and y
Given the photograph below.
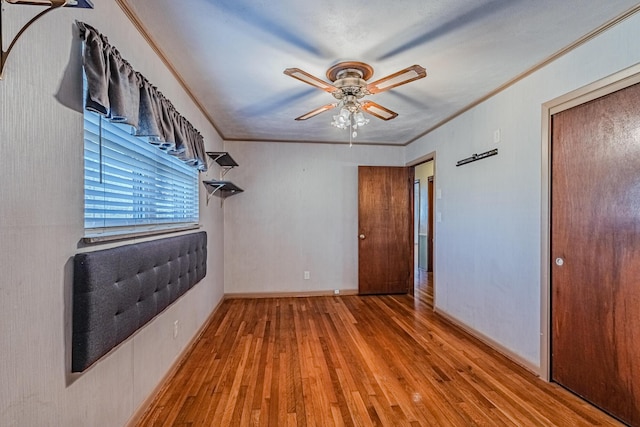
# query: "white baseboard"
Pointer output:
{"type": "Point", "coordinates": [299, 294]}
{"type": "Point", "coordinates": [516, 358]}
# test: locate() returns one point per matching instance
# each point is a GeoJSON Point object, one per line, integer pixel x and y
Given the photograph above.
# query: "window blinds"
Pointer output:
{"type": "Point", "coordinates": [129, 182]}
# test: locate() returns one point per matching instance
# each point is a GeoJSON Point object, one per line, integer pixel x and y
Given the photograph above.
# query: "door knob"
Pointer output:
{"type": "Point", "coordinates": [361, 237]}
{"type": "Point", "coordinates": [559, 262]}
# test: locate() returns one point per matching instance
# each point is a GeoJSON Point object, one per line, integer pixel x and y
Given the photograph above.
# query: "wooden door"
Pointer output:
{"type": "Point", "coordinates": [595, 252]}
{"type": "Point", "coordinates": [385, 221]}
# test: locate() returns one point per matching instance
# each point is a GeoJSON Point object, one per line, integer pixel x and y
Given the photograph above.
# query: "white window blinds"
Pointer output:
{"type": "Point", "coordinates": [129, 182]}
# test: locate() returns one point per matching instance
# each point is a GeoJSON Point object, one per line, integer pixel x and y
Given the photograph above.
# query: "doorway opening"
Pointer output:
{"type": "Point", "coordinates": [423, 221]}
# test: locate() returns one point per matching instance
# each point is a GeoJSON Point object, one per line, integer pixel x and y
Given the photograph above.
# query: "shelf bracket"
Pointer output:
{"type": "Point", "coordinates": [53, 4]}
{"type": "Point", "coordinates": [211, 193]}
{"type": "Point", "coordinates": [224, 171]}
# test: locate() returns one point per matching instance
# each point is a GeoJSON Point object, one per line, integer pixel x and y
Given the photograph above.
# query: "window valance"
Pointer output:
{"type": "Point", "coordinates": [121, 94]}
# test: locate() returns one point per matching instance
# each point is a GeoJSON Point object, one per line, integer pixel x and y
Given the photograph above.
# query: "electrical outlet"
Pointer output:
{"type": "Point", "coordinates": [336, 291]}
{"type": "Point", "coordinates": [496, 136]}
{"type": "Point", "coordinates": [307, 275]}
{"type": "Point", "coordinates": [175, 329]}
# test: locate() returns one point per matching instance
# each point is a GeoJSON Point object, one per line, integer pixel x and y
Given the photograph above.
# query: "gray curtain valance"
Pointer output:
{"type": "Point", "coordinates": [121, 94]}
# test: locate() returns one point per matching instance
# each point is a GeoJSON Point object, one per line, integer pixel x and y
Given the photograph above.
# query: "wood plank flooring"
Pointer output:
{"type": "Point", "coordinates": [354, 361]}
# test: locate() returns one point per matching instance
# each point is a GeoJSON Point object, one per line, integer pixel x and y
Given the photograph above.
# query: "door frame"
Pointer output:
{"type": "Point", "coordinates": [597, 89]}
{"type": "Point", "coordinates": [430, 220]}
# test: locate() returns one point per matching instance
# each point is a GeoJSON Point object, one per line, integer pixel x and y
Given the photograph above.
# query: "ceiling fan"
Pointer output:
{"type": "Point", "coordinates": [350, 86]}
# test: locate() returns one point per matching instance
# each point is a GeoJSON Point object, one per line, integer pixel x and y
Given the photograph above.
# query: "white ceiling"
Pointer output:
{"type": "Point", "coordinates": [232, 54]}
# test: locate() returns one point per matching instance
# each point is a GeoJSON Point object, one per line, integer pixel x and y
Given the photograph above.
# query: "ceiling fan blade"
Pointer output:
{"type": "Point", "coordinates": [303, 76]}
{"type": "Point", "coordinates": [378, 110]}
{"type": "Point", "coordinates": [316, 111]}
{"type": "Point", "coordinates": [407, 75]}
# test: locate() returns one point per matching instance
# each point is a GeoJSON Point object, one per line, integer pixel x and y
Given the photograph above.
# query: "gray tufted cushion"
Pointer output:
{"type": "Point", "coordinates": [116, 291]}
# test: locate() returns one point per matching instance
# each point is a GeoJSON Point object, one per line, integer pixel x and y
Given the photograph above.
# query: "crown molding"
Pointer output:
{"type": "Point", "coordinates": [124, 5]}
{"type": "Point", "coordinates": [126, 8]}
{"type": "Point", "coordinates": [584, 39]}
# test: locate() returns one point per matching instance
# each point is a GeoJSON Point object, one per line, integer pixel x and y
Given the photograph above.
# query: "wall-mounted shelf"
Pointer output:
{"type": "Point", "coordinates": [221, 188]}
{"type": "Point", "coordinates": [223, 159]}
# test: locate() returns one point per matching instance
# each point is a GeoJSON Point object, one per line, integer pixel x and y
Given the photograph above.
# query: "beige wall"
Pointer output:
{"type": "Point", "coordinates": [488, 244]}
{"type": "Point", "coordinates": [41, 224]}
{"type": "Point", "coordinates": [299, 213]}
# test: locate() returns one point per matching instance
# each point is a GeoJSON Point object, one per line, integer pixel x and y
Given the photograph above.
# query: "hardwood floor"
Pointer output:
{"type": "Point", "coordinates": [353, 361]}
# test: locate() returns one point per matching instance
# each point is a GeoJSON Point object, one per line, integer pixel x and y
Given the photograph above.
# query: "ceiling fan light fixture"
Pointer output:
{"type": "Point", "coordinates": [359, 119]}
{"type": "Point", "coordinates": [343, 119]}
{"type": "Point", "coordinates": [350, 117]}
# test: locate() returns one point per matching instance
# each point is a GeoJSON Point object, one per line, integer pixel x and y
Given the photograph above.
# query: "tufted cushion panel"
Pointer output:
{"type": "Point", "coordinates": [116, 291]}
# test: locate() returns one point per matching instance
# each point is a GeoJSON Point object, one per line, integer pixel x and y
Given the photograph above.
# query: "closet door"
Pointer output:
{"type": "Point", "coordinates": [595, 252]}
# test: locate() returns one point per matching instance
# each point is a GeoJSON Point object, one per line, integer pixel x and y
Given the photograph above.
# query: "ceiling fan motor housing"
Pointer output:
{"type": "Point", "coordinates": [350, 78]}
{"type": "Point", "coordinates": [350, 82]}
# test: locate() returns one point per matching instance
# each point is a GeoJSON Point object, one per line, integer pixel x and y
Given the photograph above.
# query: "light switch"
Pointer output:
{"type": "Point", "coordinates": [439, 193]}
{"type": "Point", "coordinates": [438, 216]}
{"type": "Point", "coordinates": [496, 136]}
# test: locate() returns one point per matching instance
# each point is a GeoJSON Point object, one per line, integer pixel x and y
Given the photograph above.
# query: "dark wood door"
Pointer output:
{"type": "Point", "coordinates": [595, 250]}
{"type": "Point", "coordinates": [385, 221]}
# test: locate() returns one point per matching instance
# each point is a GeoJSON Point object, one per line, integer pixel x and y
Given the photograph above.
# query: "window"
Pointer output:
{"type": "Point", "coordinates": [129, 182]}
